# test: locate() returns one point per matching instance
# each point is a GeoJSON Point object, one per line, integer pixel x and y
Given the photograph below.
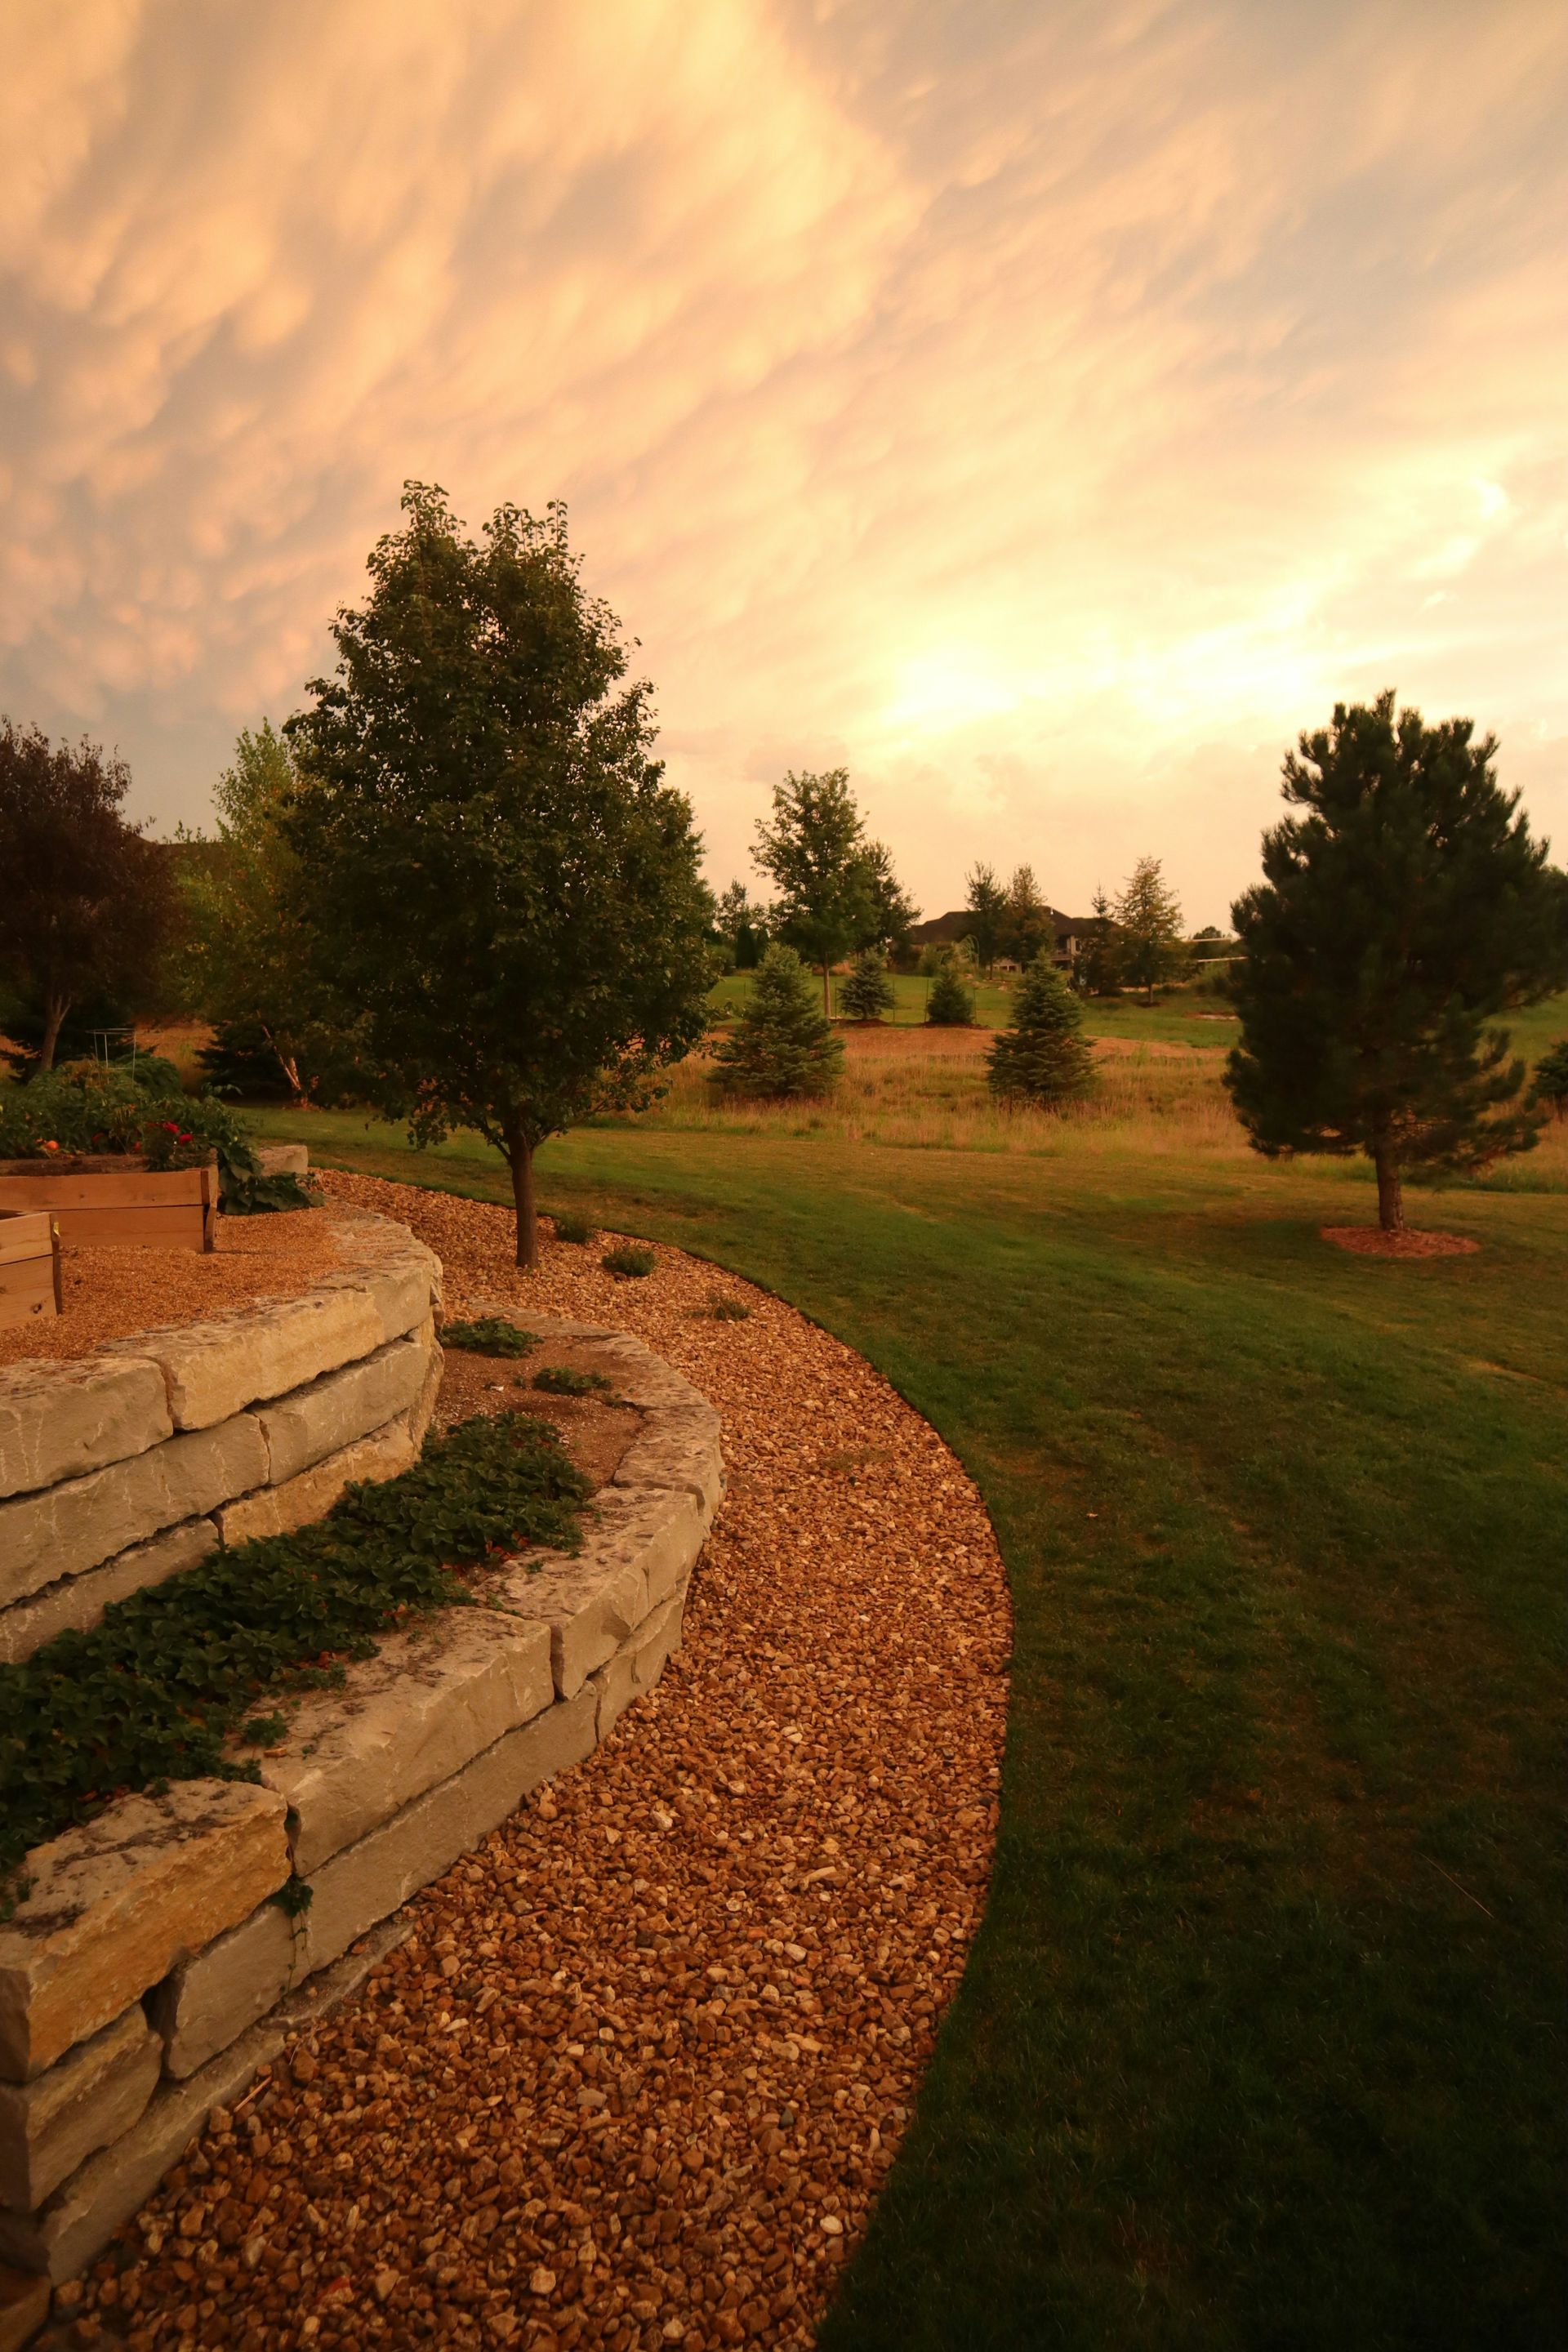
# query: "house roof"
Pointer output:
{"type": "Point", "coordinates": [942, 929]}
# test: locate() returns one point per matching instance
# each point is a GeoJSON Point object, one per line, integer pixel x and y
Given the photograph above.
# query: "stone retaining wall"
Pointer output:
{"type": "Point", "coordinates": [150, 1972]}
{"type": "Point", "coordinates": [123, 1469]}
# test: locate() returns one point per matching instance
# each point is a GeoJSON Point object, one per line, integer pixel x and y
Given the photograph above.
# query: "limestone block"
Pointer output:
{"type": "Point", "coordinates": [421, 1412]}
{"type": "Point", "coordinates": [399, 1277]}
{"type": "Point", "coordinates": [427, 1704]}
{"type": "Point", "coordinates": [283, 1158]}
{"type": "Point", "coordinates": [310, 1423]}
{"type": "Point", "coordinates": [214, 1369]}
{"type": "Point", "coordinates": [82, 1522]}
{"type": "Point", "coordinates": [639, 1662]}
{"type": "Point", "coordinates": [58, 1420]}
{"type": "Point", "coordinates": [24, 2307]}
{"type": "Point", "coordinates": [680, 1449]}
{"type": "Point", "coordinates": [78, 1602]}
{"type": "Point", "coordinates": [207, 2001]}
{"type": "Point", "coordinates": [589, 1603]}
{"type": "Point", "coordinates": [643, 1378]}
{"type": "Point", "coordinates": [275, 1509]}
{"type": "Point", "coordinates": [92, 2096]}
{"type": "Point", "coordinates": [114, 1903]}
{"type": "Point", "coordinates": [367, 1881]}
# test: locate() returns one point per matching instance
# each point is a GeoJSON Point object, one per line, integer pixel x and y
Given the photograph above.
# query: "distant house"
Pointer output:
{"type": "Point", "coordinates": [1072, 933]}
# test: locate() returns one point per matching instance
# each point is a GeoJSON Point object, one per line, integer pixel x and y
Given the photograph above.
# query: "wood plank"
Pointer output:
{"type": "Point", "coordinates": [138, 1188]}
{"type": "Point", "coordinates": [26, 1234]}
{"type": "Point", "coordinates": [178, 1225]}
{"type": "Point", "coordinates": [27, 1301]}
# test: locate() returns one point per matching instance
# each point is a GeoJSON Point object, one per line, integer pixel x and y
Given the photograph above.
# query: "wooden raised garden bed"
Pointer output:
{"type": "Point", "coordinates": [29, 1265]}
{"type": "Point", "coordinates": [117, 1200]}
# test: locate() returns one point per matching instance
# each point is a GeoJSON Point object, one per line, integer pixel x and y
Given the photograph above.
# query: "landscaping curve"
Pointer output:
{"type": "Point", "coordinates": [639, 2067]}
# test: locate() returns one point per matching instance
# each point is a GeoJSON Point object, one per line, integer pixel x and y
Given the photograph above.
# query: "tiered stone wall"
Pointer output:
{"type": "Point", "coordinates": [150, 1972]}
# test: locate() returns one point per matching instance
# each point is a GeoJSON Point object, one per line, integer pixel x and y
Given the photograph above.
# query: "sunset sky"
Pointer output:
{"type": "Point", "coordinates": [1043, 410]}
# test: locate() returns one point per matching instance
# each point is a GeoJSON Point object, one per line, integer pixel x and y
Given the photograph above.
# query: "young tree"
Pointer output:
{"type": "Point", "coordinates": [867, 992]}
{"type": "Point", "coordinates": [733, 922]}
{"type": "Point", "coordinates": [837, 890]}
{"type": "Point", "coordinates": [988, 908]}
{"type": "Point", "coordinates": [1402, 908]}
{"type": "Point", "coordinates": [1550, 1085]}
{"type": "Point", "coordinates": [492, 867]}
{"type": "Point", "coordinates": [1149, 917]}
{"type": "Point", "coordinates": [781, 1044]}
{"type": "Point", "coordinates": [1102, 961]}
{"type": "Point", "coordinates": [950, 1005]}
{"type": "Point", "coordinates": [85, 903]}
{"type": "Point", "coordinates": [1029, 927]}
{"type": "Point", "coordinates": [1043, 1057]}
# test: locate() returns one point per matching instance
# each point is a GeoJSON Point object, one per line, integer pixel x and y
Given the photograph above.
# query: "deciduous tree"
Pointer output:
{"type": "Point", "coordinates": [1401, 909]}
{"type": "Point", "coordinates": [1101, 963]}
{"type": "Point", "coordinates": [1029, 925]}
{"type": "Point", "coordinates": [838, 891]}
{"type": "Point", "coordinates": [494, 869]}
{"type": "Point", "coordinates": [1149, 918]}
{"type": "Point", "coordinates": [987, 909]}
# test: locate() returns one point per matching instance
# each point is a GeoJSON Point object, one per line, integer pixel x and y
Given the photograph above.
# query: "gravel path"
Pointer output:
{"type": "Point", "coordinates": [639, 2072]}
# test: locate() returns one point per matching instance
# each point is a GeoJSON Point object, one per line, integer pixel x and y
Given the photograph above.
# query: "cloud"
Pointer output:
{"type": "Point", "coordinates": [1046, 413]}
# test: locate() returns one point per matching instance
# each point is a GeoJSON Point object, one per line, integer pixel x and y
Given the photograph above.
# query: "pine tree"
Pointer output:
{"type": "Point", "coordinates": [1551, 1085]}
{"type": "Point", "coordinates": [867, 992]}
{"type": "Point", "coordinates": [950, 1005]}
{"type": "Point", "coordinates": [987, 909]}
{"type": "Point", "coordinates": [1149, 917]}
{"type": "Point", "coordinates": [780, 1046]}
{"type": "Point", "coordinates": [1027, 928]}
{"type": "Point", "coordinates": [1401, 909]}
{"type": "Point", "coordinates": [1044, 1057]}
{"type": "Point", "coordinates": [1103, 958]}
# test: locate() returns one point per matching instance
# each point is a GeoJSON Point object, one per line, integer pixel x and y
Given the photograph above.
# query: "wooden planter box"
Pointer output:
{"type": "Point", "coordinates": [119, 1200]}
{"type": "Point", "coordinates": [29, 1265]}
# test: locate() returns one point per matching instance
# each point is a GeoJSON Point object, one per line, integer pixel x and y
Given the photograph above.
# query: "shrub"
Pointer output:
{"type": "Point", "coordinates": [1043, 1057]}
{"type": "Point", "coordinates": [867, 992]}
{"type": "Point", "coordinates": [569, 1227]}
{"type": "Point", "coordinates": [488, 1335]}
{"type": "Point", "coordinates": [140, 1107]}
{"type": "Point", "coordinates": [628, 1260]}
{"type": "Point", "coordinates": [781, 1044]}
{"type": "Point", "coordinates": [728, 1310]}
{"type": "Point", "coordinates": [154, 1691]}
{"type": "Point", "coordinates": [559, 1380]}
{"type": "Point", "coordinates": [1551, 1077]}
{"type": "Point", "coordinates": [950, 1005]}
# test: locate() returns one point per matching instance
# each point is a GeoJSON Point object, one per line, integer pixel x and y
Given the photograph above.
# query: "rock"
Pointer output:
{"type": "Point", "coordinates": [208, 2001]}
{"type": "Point", "coordinates": [214, 1369]}
{"type": "Point", "coordinates": [283, 1158]}
{"type": "Point", "coordinates": [24, 2307]}
{"type": "Point", "coordinates": [682, 1451]}
{"type": "Point", "coordinates": [83, 1522]}
{"type": "Point", "coordinates": [426, 1704]}
{"type": "Point", "coordinates": [422, 1410]}
{"type": "Point", "coordinates": [59, 1421]}
{"type": "Point", "coordinates": [116, 1901]}
{"type": "Point", "coordinates": [590, 1605]}
{"type": "Point", "coordinates": [303, 1427]}
{"type": "Point", "coordinates": [78, 1602]}
{"type": "Point", "coordinates": [93, 2094]}
{"type": "Point", "coordinates": [273, 1510]}
{"type": "Point", "coordinates": [639, 1662]}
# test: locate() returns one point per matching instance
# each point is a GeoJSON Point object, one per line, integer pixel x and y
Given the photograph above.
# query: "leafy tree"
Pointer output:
{"type": "Point", "coordinates": [1043, 1057]}
{"type": "Point", "coordinates": [867, 992]}
{"type": "Point", "coordinates": [1149, 917]}
{"type": "Point", "coordinates": [837, 890]}
{"type": "Point", "coordinates": [1550, 1084]}
{"type": "Point", "coordinates": [1401, 909]}
{"type": "Point", "coordinates": [781, 1044]}
{"type": "Point", "coordinates": [493, 868]}
{"type": "Point", "coordinates": [1102, 959]}
{"type": "Point", "coordinates": [988, 908]}
{"type": "Point", "coordinates": [950, 1005]}
{"type": "Point", "coordinates": [1211, 945]}
{"type": "Point", "coordinates": [1029, 927]}
{"type": "Point", "coordinates": [86, 903]}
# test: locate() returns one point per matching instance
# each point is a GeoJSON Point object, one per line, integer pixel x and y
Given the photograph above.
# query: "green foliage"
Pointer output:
{"type": "Point", "coordinates": [728, 1310]}
{"type": "Point", "coordinates": [1044, 1057]}
{"type": "Point", "coordinates": [152, 1693]}
{"type": "Point", "coordinates": [950, 1005]}
{"type": "Point", "coordinates": [1402, 908]}
{"type": "Point", "coordinates": [867, 992]}
{"type": "Point", "coordinates": [1027, 926]}
{"type": "Point", "coordinates": [488, 1335]}
{"type": "Point", "coordinates": [1101, 964]}
{"type": "Point", "coordinates": [559, 1380]}
{"type": "Point", "coordinates": [569, 1227]}
{"type": "Point", "coordinates": [491, 864]}
{"type": "Point", "coordinates": [988, 907]}
{"type": "Point", "coordinates": [1149, 922]}
{"type": "Point", "coordinates": [1550, 1084]}
{"type": "Point", "coordinates": [140, 1109]}
{"type": "Point", "coordinates": [629, 1261]}
{"type": "Point", "coordinates": [780, 1046]}
{"type": "Point", "coordinates": [837, 889]}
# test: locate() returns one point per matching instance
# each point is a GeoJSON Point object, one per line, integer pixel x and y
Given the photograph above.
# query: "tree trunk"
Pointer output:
{"type": "Point", "coordinates": [519, 1158]}
{"type": "Point", "coordinates": [1390, 1192]}
{"type": "Point", "coordinates": [55, 1011]}
{"type": "Point", "coordinates": [291, 1069]}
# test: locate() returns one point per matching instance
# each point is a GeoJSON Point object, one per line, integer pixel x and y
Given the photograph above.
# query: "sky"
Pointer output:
{"type": "Point", "coordinates": [1043, 410]}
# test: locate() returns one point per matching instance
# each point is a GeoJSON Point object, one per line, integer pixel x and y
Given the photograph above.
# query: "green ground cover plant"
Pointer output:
{"type": "Point", "coordinates": [560, 1380]}
{"type": "Point", "coordinates": [570, 1228]}
{"type": "Point", "coordinates": [628, 1261]}
{"type": "Point", "coordinates": [489, 1334]}
{"type": "Point", "coordinates": [1259, 2043]}
{"type": "Point", "coordinates": [151, 1695]}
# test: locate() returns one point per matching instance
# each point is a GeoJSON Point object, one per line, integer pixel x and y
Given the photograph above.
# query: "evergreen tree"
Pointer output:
{"type": "Point", "coordinates": [1101, 962]}
{"type": "Point", "coordinates": [867, 992]}
{"type": "Point", "coordinates": [1149, 918]}
{"type": "Point", "coordinates": [1029, 927]}
{"type": "Point", "coordinates": [1550, 1084]}
{"type": "Point", "coordinates": [781, 1044]}
{"type": "Point", "coordinates": [1043, 1057]}
{"type": "Point", "coordinates": [988, 908]}
{"type": "Point", "coordinates": [950, 1005]}
{"type": "Point", "coordinates": [1401, 909]}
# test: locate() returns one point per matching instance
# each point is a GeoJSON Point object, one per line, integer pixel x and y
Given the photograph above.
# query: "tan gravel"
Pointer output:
{"type": "Point", "coordinates": [638, 2073]}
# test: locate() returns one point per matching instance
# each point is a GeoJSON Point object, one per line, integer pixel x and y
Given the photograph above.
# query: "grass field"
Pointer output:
{"type": "Point", "coordinates": [1261, 2042]}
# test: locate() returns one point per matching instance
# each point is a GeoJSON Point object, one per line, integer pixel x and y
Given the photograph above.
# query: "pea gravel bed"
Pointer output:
{"type": "Point", "coordinates": [640, 2068]}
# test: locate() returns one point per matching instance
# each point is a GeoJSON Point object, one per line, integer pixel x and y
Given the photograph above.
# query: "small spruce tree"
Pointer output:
{"type": "Point", "coordinates": [1551, 1079]}
{"type": "Point", "coordinates": [867, 992]}
{"type": "Point", "coordinates": [1044, 1057]}
{"type": "Point", "coordinates": [1103, 958]}
{"type": "Point", "coordinates": [950, 1005]}
{"type": "Point", "coordinates": [780, 1046]}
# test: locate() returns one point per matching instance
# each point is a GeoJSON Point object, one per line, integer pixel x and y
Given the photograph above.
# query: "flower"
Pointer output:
{"type": "Point", "coordinates": [48, 1146]}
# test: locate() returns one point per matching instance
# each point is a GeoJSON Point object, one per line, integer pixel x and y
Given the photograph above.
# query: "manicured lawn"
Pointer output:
{"type": "Point", "coordinates": [1261, 2042]}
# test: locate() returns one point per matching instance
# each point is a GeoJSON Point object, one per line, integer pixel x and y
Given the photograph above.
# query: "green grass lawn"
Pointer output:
{"type": "Point", "coordinates": [1260, 2044]}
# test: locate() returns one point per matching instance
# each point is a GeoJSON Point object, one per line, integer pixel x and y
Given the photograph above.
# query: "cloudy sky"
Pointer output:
{"type": "Point", "coordinates": [1043, 410]}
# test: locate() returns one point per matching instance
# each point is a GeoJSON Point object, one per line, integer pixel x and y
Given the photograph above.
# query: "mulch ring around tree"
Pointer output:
{"type": "Point", "coordinates": [639, 2072]}
{"type": "Point", "coordinates": [1371, 1241]}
